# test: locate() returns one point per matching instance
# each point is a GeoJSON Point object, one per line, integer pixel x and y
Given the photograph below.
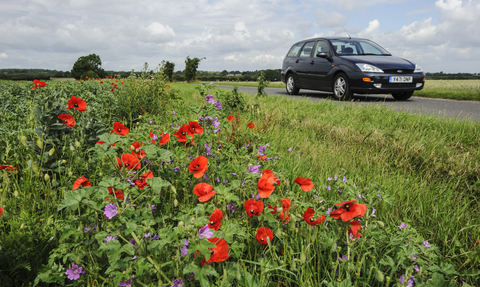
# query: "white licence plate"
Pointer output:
{"type": "Point", "coordinates": [401, 79]}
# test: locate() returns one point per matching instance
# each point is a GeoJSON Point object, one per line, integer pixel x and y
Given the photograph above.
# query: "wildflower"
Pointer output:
{"type": "Point", "coordinates": [177, 283]}
{"type": "Point", "coordinates": [8, 167]}
{"type": "Point", "coordinates": [209, 99]}
{"type": "Point", "coordinates": [218, 105]}
{"type": "Point", "coordinates": [264, 234]}
{"type": "Point", "coordinates": [173, 112]}
{"type": "Point", "coordinates": [232, 207]}
{"type": "Point", "coordinates": [67, 119]}
{"type": "Point", "coordinates": [402, 279]}
{"type": "Point", "coordinates": [265, 184]}
{"type": "Point", "coordinates": [416, 268]}
{"type": "Point", "coordinates": [343, 258]}
{"type": "Point", "coordinates": [182, 134]}
{"type": "Point", "coordinates": [77, 103]}
{"type": "Point", "coordinates": [251, 125]}
{"type": "Point", "coordinates": [348, 210]}
{"type": "Point", "coordinates": [205, 232]}
{"type": "Point", "coordinates": [81, 181]}
{"type": "Point", "coordinates": [308, 216]}
{"type": "Point", "coordinates": [86, 229]}
{"type": "Point", "coordinates": [344, 179]}
{"type": "Point", "coordinates": [373, 213]}
{"type": "Point", "coordinates": [215, 219]}
{"type": "Point", "coordinates": [38, 84]}
{"type": "Point", "coordinates": [403, 225]}
{"type": "Point", "coordinates": [305, 183]}
{"type": "Point", "coordinates": [129, 161]}
{"type": "Point", "coordinates": [110, 238]}
{"type": "Point", "coordinates": [110, 211]}
{"type": "Point", "coordinates": [261, 150]}
{"type": "Point", "coordinates": [231, 118]}
{"type": "Point", "coordinates": [120, 129]}
{"type": "Point", "coordinates": [141, 183]}
{"type": "Point", "coordinates": [254, 169]}
{"type": "Point", "coordinates": [410, 281]}
{"type": "Point", "coordinates": [253, 207]}
{"type": "Point", "coordinates": [175, 169]}
{"type": "Point", "coordinates": [216, 123]}
{"type": "Point", "coordinates": [1, 210]}
{"type": "Point", "coordinates": [198, 166]}
{"type": "Point", "coordinates": [195, 128]}
{"type": "Point", "coordinates": [150, 121]}
{"type": "Point", "coordinates": [184, 249]}
{"type": "Point", "coordinates": [285, 208]}
{"type": "Point", "coordinates": [353, 231]}
{"type": "Point", "coordinates": [219, 253]}
{"type": "Point", "coordinates": [425, 243]}
{"type": "Point", "coordinates": [74, 272]}
{"type": "Point", "coordinates": [127, 283]}
{"type": "Point", "coordinates": [204, 191]}
{"type": "Point", "coordinates": [136, 149]}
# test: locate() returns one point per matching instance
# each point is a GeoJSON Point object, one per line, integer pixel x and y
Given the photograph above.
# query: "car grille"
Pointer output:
{"type": "Point", "coordinates": [398, 85]}
{"type": "Point", "coordinates": [395, 71]}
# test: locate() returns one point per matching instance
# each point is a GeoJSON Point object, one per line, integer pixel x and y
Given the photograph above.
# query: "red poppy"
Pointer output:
{"type": "Point", "coordinates": [168, 86]}
{"type": "Point", "coordinates": [195, 128]}
{"type": "Point", "coordinates": [231, 118]}
{"type": "Point", "coordinates": [129, 161]}
{"type": "Point", "coordinates": [198, 166]}
{"type": "Point", "coordinates": [67, 119]}
{"type": "Point", "coordinates": [265, 184]}
{"type": "Point", "coordinates": [219, 253]}
{"type": "Point", "coordinates": [284, 216]}
{"type": "Point", "coordinates": [1, 211]}
{"type": "Point", "coordinates": [77, 103]}
{"type": "Point", "coordinates": [305, 183]}
{"type": "Point", "coordinates": [112, 90]}
{"type": "Point", "coordinates": [251, 125]}
{"type": "Point", "coordinates": [204, 191]}
{"type": "Point", "coordinates": [120, 129]}
{"type": "Point", "coordinates": [263, 235]}
{"type": "Point", "coordinates": [38, 84]}
{"type": "Point", "coordinates": [253, 207]}
{"type": "Point", "coordinates": [262, 157]}
{"type": "Point", "coordinates": [141, 183]}
{"type": "Point", "coordinates": [163, 138]}
{"type": "Point", "coordinates": [8, 167]}
{"type": "Point", "coordinates": [355, 228]}
{"type": "Point", "coordinates": [274, 208]}
{"type": "Point", "coordinates": [118, 193]}
{"type": "Point", "coordinates": [215, 219]}
{"type": "Point", "coordinates": [308, 217]}
{"type": "Point", "coordinates": [100, 142]}
{"type": "Point", "coordinates": [81, 181]}
{"type": "Point", "coordinates": [136, 149]}
{"type": "Point", "coordinates": [348, 210]}
{"type": "Point", "coordinates": [182, 134]}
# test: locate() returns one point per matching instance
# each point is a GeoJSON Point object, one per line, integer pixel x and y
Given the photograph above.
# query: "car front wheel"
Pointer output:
{"type": "Point", "coordinates": [402, 96]}
{"type": "Point", "coordinates": [341, 88]}
{"type": "Point", "coordinates": [291, 85]}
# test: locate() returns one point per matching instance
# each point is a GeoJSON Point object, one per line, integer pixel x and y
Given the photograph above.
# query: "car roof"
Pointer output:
{"type": "Point", "coordinates": [329, 38]}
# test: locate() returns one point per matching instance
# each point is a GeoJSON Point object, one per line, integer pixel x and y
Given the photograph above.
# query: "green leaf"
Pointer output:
{"type": "Point", "coordinates": [109, 182]}
{"type": "Point", "coordinates": [207, 269]}
{"type": "Point", "coordinates": [67, 234]}
{"type": "Point", "coordinates": [237, 247]}
{"type": "Point", "coordinates": [114, 250]}
{"type": "Point", "coordinates": [109, 139]}
{"type": "Point", "coordinates": [156, 183]}
{"type": "Point", "coordinates": [203, 248]}
{"type": "Point", "coordinates": [165, 155]}
{"type": "Point", "coordinates": [158, 244]}
{"type": "Point", "coordinates": [72, 198]}
{"type": "Point", "coordinates": [131, 227]}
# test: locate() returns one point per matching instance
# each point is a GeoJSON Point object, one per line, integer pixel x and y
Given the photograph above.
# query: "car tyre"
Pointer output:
{"type": "Point", "coordinates": [291, 85]}
{"type": "Point", "coordinates": [341, 88]}
{"type": "Point", "coordinates": [402, 96]}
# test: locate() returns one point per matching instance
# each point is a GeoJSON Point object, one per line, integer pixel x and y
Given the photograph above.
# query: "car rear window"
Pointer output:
{"type": "Point", "coordinates": [294, 50]}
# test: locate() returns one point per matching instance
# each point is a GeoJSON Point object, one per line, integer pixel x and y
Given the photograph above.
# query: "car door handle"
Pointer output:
{"type": "Point", "coordinates": [312, 62]}
{"type": "Point", "coordinates": [296, 61]}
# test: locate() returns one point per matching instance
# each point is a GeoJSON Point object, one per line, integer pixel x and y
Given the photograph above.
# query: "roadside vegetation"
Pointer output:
{"type": "Point", "coordinates": [143, 182]}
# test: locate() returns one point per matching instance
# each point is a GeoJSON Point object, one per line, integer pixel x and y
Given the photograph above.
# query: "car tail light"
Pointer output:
{"type": "Point", "coordinates": [367, 79]}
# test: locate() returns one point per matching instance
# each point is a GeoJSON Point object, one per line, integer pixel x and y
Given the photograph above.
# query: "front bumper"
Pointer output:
{"type": "Point", "coordinates": [379, 83]}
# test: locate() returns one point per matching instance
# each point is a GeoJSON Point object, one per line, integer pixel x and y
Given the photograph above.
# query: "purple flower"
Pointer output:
{"type": "Point", "coordinates": [184, 249]}
{"type": "Point", "coordinates": [410, 281]}
{"type": "Point", "coordinates": [208, 148]}
{"type": "Point", "coordinates": [150, 121]}
{"type": "Point", "coordinates": [147, 235]}
{"type": "Point", "coordinates": [211, 83]}
{"type": "Point", "coordinates": [289, 149]}
{"type": "Point", "coordinates": [403, 225]}
{"type": "Point", "coordinates": [343, 258]}
{"type": "Point", "coordinates": [315, 196]}
{"type": "Point", "coordinates": [209, 100]}
{"type": "Point", "coordinates": [155, 237]}
{"type": "Point", "coordinates": [208, 118]}
{"type": "Point", "coordinates": [425, 243]}
{"type": "Point", "coordinates": [416, 268]}
{"type": "Point", "coordinates": [344, 179]}
{"type": "Point", "coordinates": [328, 187]}
{"type": "Point", "coordinates": [254, 168]}
{"type": "Point", "coordinates": [110, 211]}
{"type": "Point", "coordinates": [373, 213]}
{"type": "Point", "coordinates": [205, 232]}
{"type": "Point", "coordinates": [154, 137]}
{"type": "Point", "coordinates": [261, 149]}
{"type": "Point", "coordinates": [217, 130]}
{"type": "Point", "coordinates": [328, 211]}
{"type": "Point", "coordinates": [74, 273]}
{"type": "Point", "coordinates": [110, 238]}
{"type": "Point", "coordinates": [175, 169]}
{"type": "Point", "coordinates": [402, 279]}
{"type": "Point", "coordinates": [173, 112]}
{"type": "Point", "coordinates": [177, 283]}
{"type": "Point", "coordinates": [86, 229]}
{"type": "Point", "coordinates": [134, 257]}
{"type": "Point", "coordinates": [132, 241]}
{"type": "Point", "coordinates": [218, 105]}
{"type": "Point", "coordinates": [339, 191]}
{"type": "Point", "coordinates": [127, 283]}
{"type": "Point", "coordinates": [329, 178]}
{"type": "Point", "coordinates": [216, 123]}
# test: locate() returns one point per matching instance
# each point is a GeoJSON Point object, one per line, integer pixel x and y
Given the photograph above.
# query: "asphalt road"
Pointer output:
{"type": "Point", "coordinates": [461, 110]}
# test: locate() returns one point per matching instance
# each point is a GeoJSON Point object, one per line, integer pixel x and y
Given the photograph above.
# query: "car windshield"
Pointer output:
{"type": "Point", "coordinates": [358, 47]}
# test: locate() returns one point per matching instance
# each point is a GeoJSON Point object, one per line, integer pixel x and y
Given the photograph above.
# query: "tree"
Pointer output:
{"type": "Point", "coordinates": [168, 70]}
{"type": "Point", "coordinates": [224, 73]}
{"type": "Point", "coordinates": [85, 64]}
{"type": "Point", "coordinates": [191, 66]}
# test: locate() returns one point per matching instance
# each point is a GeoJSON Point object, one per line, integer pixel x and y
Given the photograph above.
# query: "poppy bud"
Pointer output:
{"type": "Point", "coordinates": [63, 149]}
{"type": "Point", "coordinates": [23, 140]}
{"type": "Point", "coordinates": [140, 117]}
{"type": "Point", "coordinates": [379, 275]}
{"type": "Point", "coordinates": [54, 182]}
{"type": "Point", "coordinates": [64, 161]}
{"type": "Point", "coordinates": [100, 174]}
{"type": "Point", "coordinates": [77, 144]}
{"type": "Point", "coordinates": [72, 148]}
{"type": "Point", "coordinates": [334, 247]}
{"type": "Point", "coordinates": [294, 265]}
{"type": "Point", "coordinates": [132, 147]}
{"type": "Point", "coordinates": [180, 224]}
{"type": "Point", "coordinates": [46, 177]}
{"type": "Point", "coordinates": [303, 257]}
{"type": "Point", "coordinates": [278, 233]}
{"type": "Point", "coordinates": [15, 193]}
{"type": "Point", "coordinates": [23, 225]}
{"type": "Point", "coordinates": [239, 275]}
{"type": "Point", "coordinates": [175, 203]}
{"type": "Point", "coordinates": [52, 151]}
{"type": "Point", "coordinates": [138, 123]}
{"type": "Point", "coordinates": [70, 173]}
{"type": "Point", "coordinates": [192, 221]}
{"type": "Point", "coordinates": [40, 143]}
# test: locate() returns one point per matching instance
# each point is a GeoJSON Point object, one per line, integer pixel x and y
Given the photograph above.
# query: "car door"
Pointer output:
{"type": "Point", "coordinates": [320, 66]}
{"type": "Point", "coordinates": [302, 65]}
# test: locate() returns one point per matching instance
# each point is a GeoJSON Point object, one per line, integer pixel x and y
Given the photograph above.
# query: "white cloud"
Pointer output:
{"type": "Point", "coordinates": [3, 56]}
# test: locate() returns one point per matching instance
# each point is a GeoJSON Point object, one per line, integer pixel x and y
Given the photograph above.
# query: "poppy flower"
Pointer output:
{"type": "Point", "coordinates": [100, 143]}
{"type": "Point", "coordinates": [8, 167]}
{"type": "Point", "coordinates": [81, 181]}
{"type": "Point", "coordinates": [253, 207]}
{"type": "Point", "coordinates": [118, 193]}
{"type": "Point", "coordinates": [67, 119]}
{"type": "Point", "coordinates": [264, 233]}
{"type": "Point", "coordinates": [348, 210]}
{"type": "Point", "coordinates": [120, 129]}
{"type": "Point", "coordinates": [163, 138]}
{"type": "Point", "coordinates": [231, 118]}
{"type": "Point", "coordinates": [274, 208]}
{"type": "Point", "coordinates": [219, 253]}
{"type": "Point", "coordinates": [284, 216]}
{"type": "Point", "coordinates": [112, 90]}
{"type": "Point", "coordinates": [182, 134]}
{"type": "Point", "coordinates": [129, 161]}
{"type": "Point", "coordinates": [1, 211]}
{"type": "Point", "coordinates": [265, 183]}
{"type": "Point", "coordinates": [38, 84]}
{"type": "Point", "coordinates": [141, 183]}
{"type": "Point", "coordinates": [355, 228]}
{"type": "Point", "coordinates": [305, 183]}
{"type": "Point", "coordinates": [198, 166]}
{"type": "Point", "coordinates": [308, 217]}
{"type": "Point", "coordinates": [77, 103]}
{"type": "Point", "coordinates": [215, 219]}
{"type": "Point", "coordinates": [251, 125]}
{"type": "Point", "coordinates": [136, 149]}
{"type": "Point", "coordinates": [204, 191]}
{"type": "Point", "coordinates": [195, 128]}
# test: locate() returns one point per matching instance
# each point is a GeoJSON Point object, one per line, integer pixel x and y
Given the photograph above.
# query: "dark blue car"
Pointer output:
{"type": "Point", "coordinates": [345, 66]}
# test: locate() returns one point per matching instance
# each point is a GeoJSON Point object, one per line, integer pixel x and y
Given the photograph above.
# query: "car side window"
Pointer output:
{"type": "Point", "coordinates": [294, 50]}
{"type": "Point", "coordinates": [307, 50]}
{"type": "Point", "coordinates": [321, 47]}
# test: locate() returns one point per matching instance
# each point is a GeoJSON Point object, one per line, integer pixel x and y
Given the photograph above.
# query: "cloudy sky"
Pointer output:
{"type": "Point", "coordinates": [242, 35]}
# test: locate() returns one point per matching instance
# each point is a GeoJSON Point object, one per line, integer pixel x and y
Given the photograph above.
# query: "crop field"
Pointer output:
{"type": "Point", "coordinates": [142, 182]}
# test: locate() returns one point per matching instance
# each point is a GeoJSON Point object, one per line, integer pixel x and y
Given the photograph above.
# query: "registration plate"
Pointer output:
{"type": "Point", "coordinates": [401, 79]}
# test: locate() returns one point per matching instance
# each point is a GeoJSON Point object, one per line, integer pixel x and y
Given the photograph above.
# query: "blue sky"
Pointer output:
{"type": "Point", "coordinates": [439, 35]}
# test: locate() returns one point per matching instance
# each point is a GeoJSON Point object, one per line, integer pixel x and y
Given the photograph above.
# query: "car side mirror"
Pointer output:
{"type": "Point", "coordinates": [322, 55]}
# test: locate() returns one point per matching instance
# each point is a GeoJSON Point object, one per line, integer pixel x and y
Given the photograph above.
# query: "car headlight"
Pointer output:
{"type": "Point", "coordinates": [369, 68]}
{"type": "Point", "coordinates": [418, 69]}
